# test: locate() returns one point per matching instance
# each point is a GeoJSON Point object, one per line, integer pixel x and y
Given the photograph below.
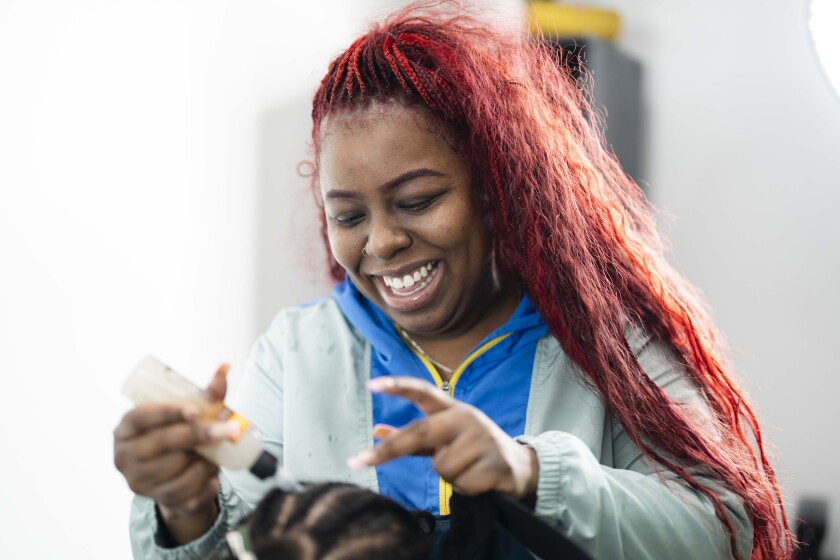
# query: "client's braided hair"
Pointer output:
{"type": "Point", "coordinates": [334, 521]}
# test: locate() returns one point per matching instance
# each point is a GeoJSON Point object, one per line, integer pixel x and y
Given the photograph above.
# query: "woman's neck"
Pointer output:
{"type": "Point", "coordinates": [452, 348]}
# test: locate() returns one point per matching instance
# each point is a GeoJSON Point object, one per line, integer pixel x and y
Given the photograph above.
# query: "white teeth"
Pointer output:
{"type": "Point", "coordinates": [423, 274]}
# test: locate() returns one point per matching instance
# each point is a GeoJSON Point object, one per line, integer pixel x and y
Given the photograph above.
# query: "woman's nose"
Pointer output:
{"type": "Point", "coordinates": [386, 238]}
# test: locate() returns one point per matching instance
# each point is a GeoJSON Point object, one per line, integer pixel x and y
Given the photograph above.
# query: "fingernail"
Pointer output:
{"type": "Point", "coordinates": [222, 430]}
{"type": "Point", "coordinates": [361, 459]}
{"type": "Point", "coordinates": [380, 431]}
{"type": "Point", "coordinates": [379, 384]}
{"type": "Point", "coordinates": [189, 412]}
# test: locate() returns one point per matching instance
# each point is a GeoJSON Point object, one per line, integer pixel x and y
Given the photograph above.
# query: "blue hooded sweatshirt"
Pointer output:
{"type": "Point", "coordinates": [495, 378]}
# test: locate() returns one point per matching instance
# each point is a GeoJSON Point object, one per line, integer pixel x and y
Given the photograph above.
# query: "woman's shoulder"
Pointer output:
{"type": "Point", "coordinates": [323, 310]}
{"type": "Point", "coordinates": [659, 360]}
{"type": "Point", "coordinates": [318, 319]}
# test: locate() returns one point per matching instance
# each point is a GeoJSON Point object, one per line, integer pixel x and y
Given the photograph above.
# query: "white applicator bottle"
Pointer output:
{"type": "Point", "coordinates": [153, 382]}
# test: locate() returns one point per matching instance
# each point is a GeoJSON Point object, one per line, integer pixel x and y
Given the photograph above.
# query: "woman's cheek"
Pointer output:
{"type": "Point", "coordinates": [341, 247]}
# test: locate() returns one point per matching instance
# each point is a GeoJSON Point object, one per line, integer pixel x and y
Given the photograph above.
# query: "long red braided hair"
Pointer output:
{"type": "Point", "coordinates": [574, 230]}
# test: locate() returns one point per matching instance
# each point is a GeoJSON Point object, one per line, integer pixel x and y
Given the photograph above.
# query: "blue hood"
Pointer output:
{"type": "Point", "coordinates": [378, 329]}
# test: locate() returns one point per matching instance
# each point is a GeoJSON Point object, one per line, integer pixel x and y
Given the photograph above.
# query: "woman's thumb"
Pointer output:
{"type": "Point", "coordinates": [218, 385]}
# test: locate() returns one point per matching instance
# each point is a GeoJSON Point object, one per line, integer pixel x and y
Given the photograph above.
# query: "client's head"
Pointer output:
{"type": "Point", "coordinates": [332, 521]}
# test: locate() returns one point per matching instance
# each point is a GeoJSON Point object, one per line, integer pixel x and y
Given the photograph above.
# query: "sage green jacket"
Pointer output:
{"type": "Point", "coordinates": [595, 486]}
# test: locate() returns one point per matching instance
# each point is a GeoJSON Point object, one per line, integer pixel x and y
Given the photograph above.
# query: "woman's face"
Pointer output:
{"type": "Point", "coordinates": [396, 190]}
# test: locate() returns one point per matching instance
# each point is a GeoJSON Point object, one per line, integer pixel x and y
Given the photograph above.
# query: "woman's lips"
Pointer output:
{"type": "Point", "coordinates": [407, 298]}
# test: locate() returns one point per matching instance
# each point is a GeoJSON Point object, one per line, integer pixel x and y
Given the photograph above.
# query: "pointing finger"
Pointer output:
{"type": "Point", "coordinates": [420, 437]}
{"type": "Point", "coordinates": [426, 396]}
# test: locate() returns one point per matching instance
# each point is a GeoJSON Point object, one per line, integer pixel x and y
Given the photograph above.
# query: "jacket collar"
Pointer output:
{"type": "Point", "coordinates": [378, 329]}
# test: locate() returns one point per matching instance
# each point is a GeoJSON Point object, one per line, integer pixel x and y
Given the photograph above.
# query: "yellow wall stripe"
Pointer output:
{"type": "Point", "coordinates": [552, 19]}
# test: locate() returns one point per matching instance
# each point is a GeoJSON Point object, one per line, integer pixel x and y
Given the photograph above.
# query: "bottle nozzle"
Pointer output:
{"type": "Point", "coordinates": [265, 465]}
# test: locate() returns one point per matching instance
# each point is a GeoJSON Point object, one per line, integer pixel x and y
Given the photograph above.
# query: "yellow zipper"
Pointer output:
{"type": "Point", "coordinates": [445, 491]}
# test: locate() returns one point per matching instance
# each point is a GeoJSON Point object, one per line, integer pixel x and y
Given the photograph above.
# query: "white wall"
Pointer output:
{"type": "Point", "coordinates": [149, 202]}
{"type": "Point", "coordinates": [129, 190]}
{"type": "Point", "coordinates": [744, 153]}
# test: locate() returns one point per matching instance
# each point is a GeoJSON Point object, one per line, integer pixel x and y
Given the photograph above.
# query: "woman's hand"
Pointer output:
{"type": "Point", "coordinates": [468, 449]}
{"type": "Point", "coordinates": [154, 449]}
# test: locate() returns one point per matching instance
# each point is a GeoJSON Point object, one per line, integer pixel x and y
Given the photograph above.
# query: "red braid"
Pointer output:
{"type": "Point", "coordinates": [577, 234]}
{"type": "Point", "coordinates": [338, 78]}
{"type": "Point", "coordinates": [354, 51]}
{"type": "Point", "coordinates": [392, 62]}
{"type": "Point", "coordinates": [405, 65]}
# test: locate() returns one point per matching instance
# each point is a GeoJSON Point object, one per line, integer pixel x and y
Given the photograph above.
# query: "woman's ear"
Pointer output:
{"type": "Point", "coordinates": [503, 276]}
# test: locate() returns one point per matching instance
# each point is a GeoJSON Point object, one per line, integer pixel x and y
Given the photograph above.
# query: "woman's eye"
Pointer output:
{"type": "Point", "coordinates": [348, 219]}
{"type": "Point", "coordinates": [417, 205]}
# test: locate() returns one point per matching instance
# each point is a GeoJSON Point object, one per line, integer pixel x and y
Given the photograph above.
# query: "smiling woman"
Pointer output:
{"type": "Point", "coordinates": [504, 320]}
{"type": "Point", "coordinates": [404, 223]}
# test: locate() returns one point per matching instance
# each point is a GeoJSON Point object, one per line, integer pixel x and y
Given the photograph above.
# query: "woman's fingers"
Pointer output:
{"type": "Point", "coordinates": [182, 437]}
{"type": "Point", "coordinates": [426, 396]}
{"type": "Point", "coordinates": [150, 474]}
{"type": "Point", "coordinates": [146, 417]}
{"type": "Point", "coordinates": [468, 449]}
{"type": "Point", "coordinates": [474, 462]}
{"type": "Point", "coordinates": [154, 446]}
{"type": "Point", "coordinates": [420, 437]}
{"type": "Point", "coordinates": [411, 440]}
{"type": "Point", "coordinates": [453, 459]}
{"type": "Point", "coordinates": [479, 477]}
{"type": "Point", "coordinates": [190, 484]}
{"type": "Point", "coordinates": [155, 450]}
{"type": "Point", "coordinates": [131, 456]}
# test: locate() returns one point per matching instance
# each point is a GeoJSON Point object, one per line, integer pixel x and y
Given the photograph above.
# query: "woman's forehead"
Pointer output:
{"type": "Point", "coordinates": [394, 112]}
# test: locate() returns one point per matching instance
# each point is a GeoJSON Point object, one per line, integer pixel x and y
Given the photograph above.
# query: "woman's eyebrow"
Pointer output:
{"type": "Point", "coordinates": [408, 176]}
{"type": "Point", "coordinates": [388, 185]}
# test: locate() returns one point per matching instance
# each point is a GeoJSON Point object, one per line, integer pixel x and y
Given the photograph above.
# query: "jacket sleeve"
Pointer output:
{"type": "Point", "coordinates": [632, 510]}
{"type": "Point", "coordinates": [260, 400]}
{"type": "Point", "coordinates": [147, 538]}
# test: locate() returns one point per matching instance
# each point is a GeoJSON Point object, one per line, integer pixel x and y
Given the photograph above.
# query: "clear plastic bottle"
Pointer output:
{"type": "Point", "coordinates": [153, 382]}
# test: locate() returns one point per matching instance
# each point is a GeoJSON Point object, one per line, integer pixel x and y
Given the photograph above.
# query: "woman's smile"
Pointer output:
{"type": "Point", "coordinates": [410, 289]}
